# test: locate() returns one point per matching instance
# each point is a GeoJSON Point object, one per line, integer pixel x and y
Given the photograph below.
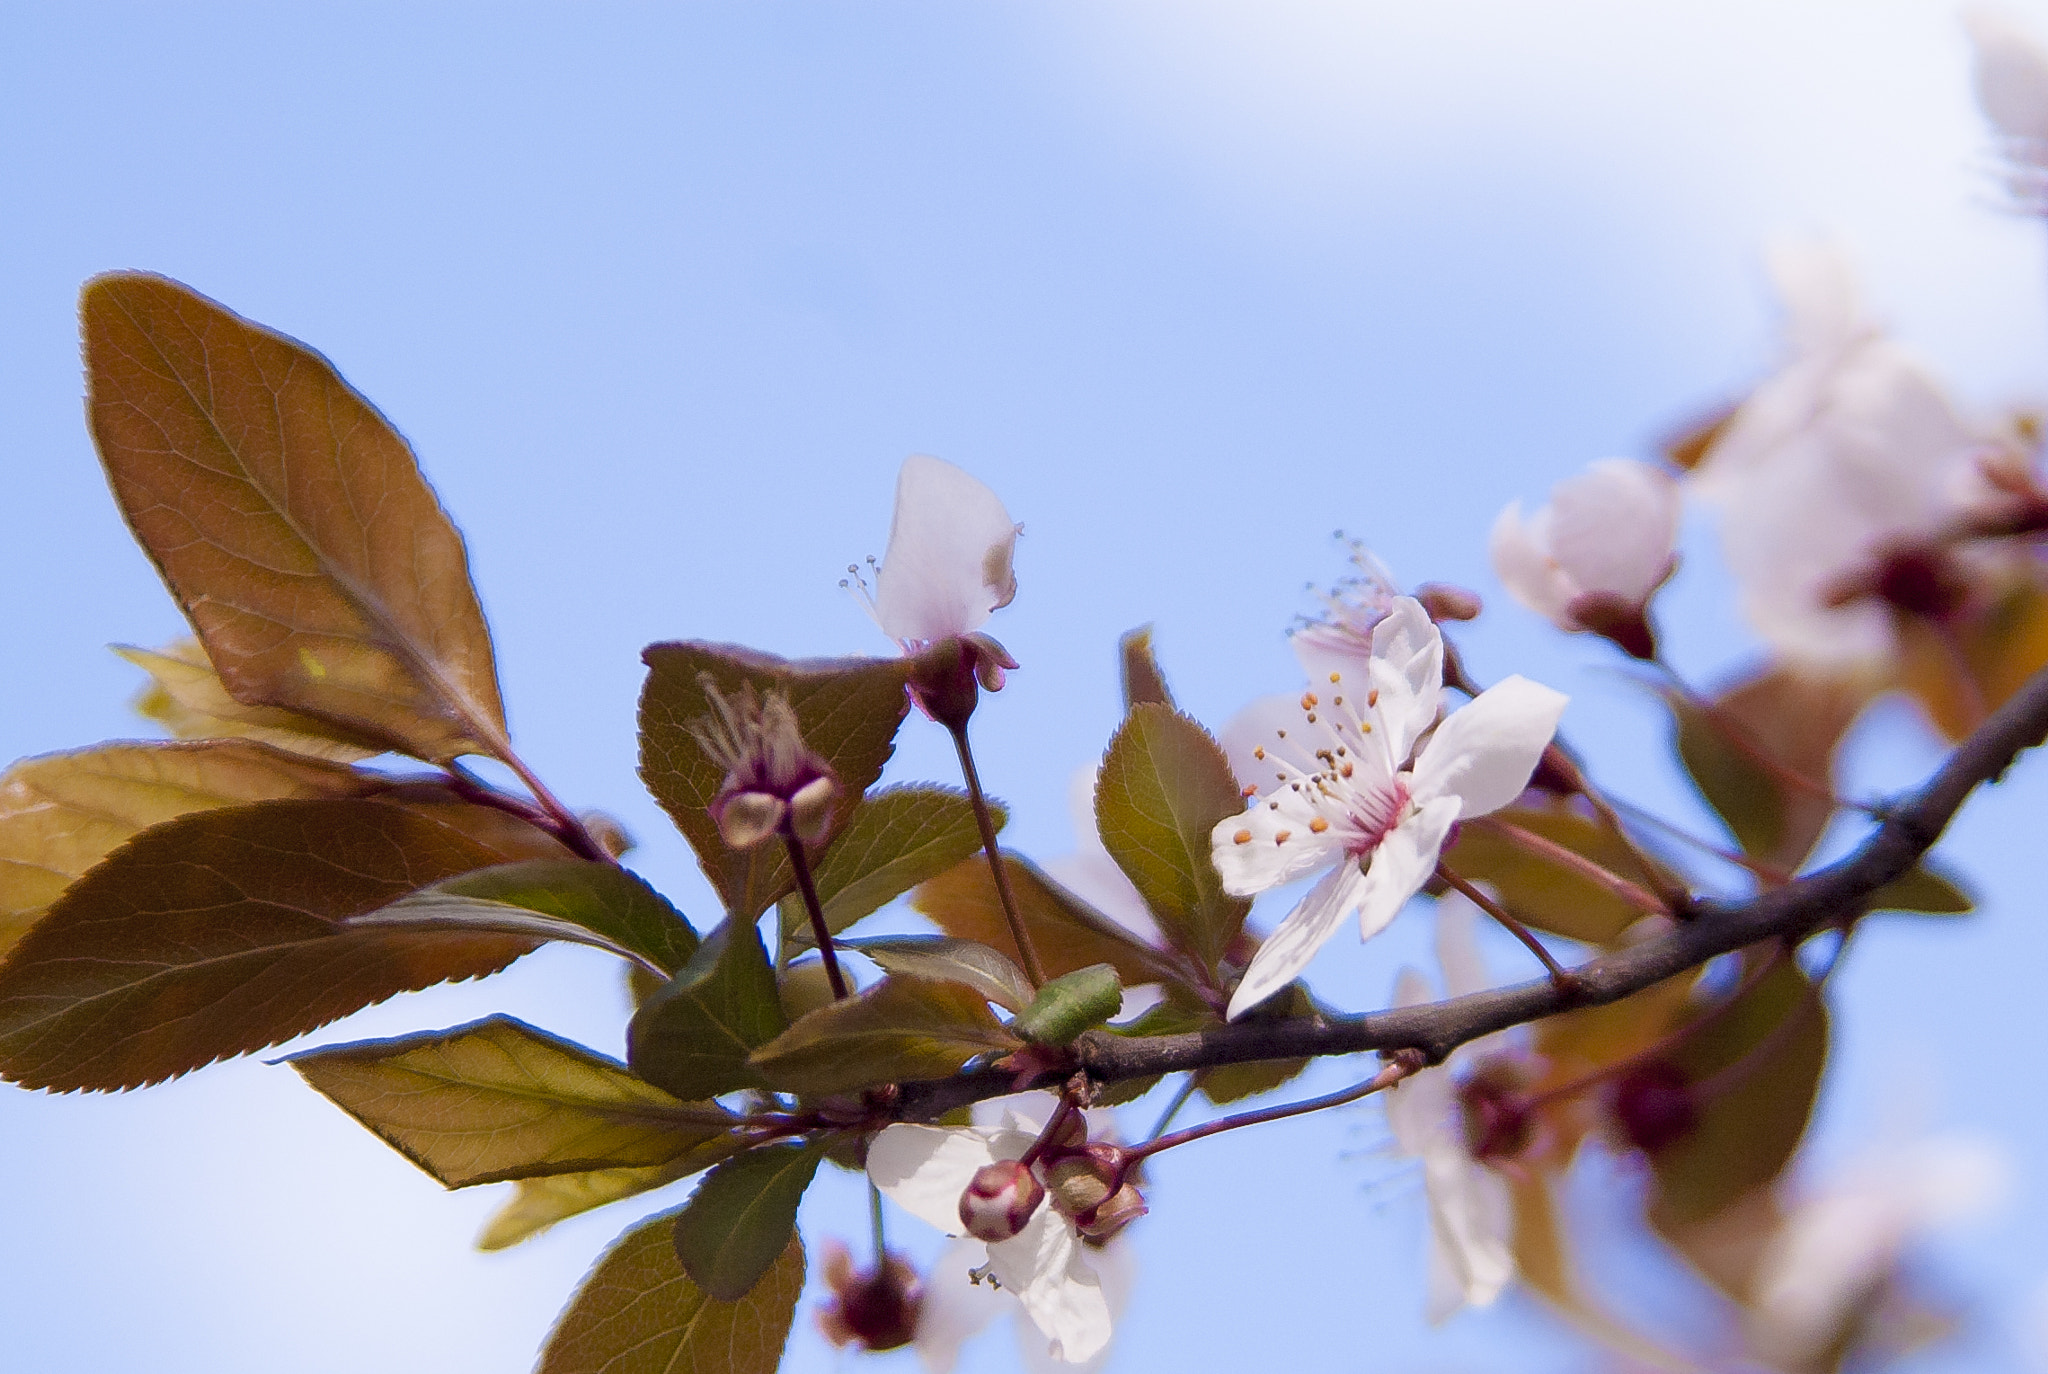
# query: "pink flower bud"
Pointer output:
{"type": "Point", "coordinates": [1113, 1213]}
{"type": "Point", "coordinates": [1000, 1198]}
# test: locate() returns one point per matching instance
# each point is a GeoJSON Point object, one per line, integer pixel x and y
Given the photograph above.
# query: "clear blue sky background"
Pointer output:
{"type": "Point", "coordinates": [662, 295]}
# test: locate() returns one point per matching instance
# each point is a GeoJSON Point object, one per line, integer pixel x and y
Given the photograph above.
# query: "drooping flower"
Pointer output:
{"type": "Point", "coordinates": [877, 1309]}
{"type": "Point", "coordinates": [1470, 1209]}
{"type": "Point", "coordinates": [1347, 799]}
{"type": "Point", "coordinates": [1837, 478]}
{"type": "Point", "coordinates": [1835, 1250]}
{"type": "Point", "coordinates": [2012, 90]}
{"type": "Point", "coordinates": [1593, 557]}
{"type": "Point", "coordinates": [927, 1169]}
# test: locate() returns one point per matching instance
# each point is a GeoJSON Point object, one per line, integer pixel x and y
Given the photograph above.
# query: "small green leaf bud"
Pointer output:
{"type": "Point", "coordinates": [1000, 1198]}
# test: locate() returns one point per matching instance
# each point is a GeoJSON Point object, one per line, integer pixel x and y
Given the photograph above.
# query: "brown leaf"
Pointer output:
{"type": "Point", "coordinates": [1962, 672]}
{"type": "Point", "coordinates": [900, 1030]}
{"type": "Point", "coordinates": [62, 813]}
{"type": "Point", "coordinates": [289, 520]}
{"type": "Point", "coordinates": [848, 709]}
{"type": "Point", "coordinates": [220, 932]}
{"type": "Point", "coordinates": [1142, 679]}
{"type": "Point", "coordinates": [1543, 893]}
{"type": "Point", "coordinates": [187, 698]}
{"type": "Point", "coordinates": [638, 1313]}
{"type": "Point", "coordinates": [1069, 934]}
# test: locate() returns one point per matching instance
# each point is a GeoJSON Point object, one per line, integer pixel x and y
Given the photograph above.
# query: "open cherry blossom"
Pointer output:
{"type": "Point", "coordinates": [2012, 89]}
{"type": "Point", "coordinates": [1470, 1209]}
{"type": "Point", "coordinates": [1045, 1266]}
{"type": "Point", "coordinates": [1594, 556]}
{"type": "Point", "coordinates": [947, 567]}
{"type": "Point", "coordinates": [1345, 797]}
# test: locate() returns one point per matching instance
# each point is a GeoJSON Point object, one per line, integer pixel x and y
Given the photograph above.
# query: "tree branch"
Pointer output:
{"type": "Point", "coordinates": [1828, 896]}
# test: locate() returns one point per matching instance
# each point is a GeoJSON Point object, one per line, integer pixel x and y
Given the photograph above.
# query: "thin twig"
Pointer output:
{"type": "Point", "coordinates": [1390, 1073]}
{"type": "Point", "coordinates": [1180, 1099]}
{"type": "Point", "coordinates": [1033, 969]}
{"type": "Point", "coordinates": [1559, 974]}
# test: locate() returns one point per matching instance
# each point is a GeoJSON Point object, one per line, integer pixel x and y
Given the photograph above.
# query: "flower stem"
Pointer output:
{"type": "Point", "coordinates": [819, 931]}
{"type": "Point", "coordinates": [1560, 976]}
{"type": "Point", "coordinates": [875, 1216]}
{"type": "Point", "coordinates": [566, 825]}
{"type": "Point", "coordinates": [1180, 1099]}
{"type": "Point", "coordinates": [1398, 1066]}
{"type": "Point", "coordinates": [1033, 969]}
{"type": "Point", "coordinates": [1054, 1125]}
{"type": "Point", "coordinates": [1637, 897]}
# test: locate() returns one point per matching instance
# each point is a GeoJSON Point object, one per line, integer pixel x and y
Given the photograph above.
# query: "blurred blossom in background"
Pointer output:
{"type": "Point", "coordinates": [663, 299]}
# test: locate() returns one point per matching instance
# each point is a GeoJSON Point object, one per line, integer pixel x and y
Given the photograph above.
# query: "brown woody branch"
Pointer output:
{"type": "Point", "coordinates": [1831, 896]}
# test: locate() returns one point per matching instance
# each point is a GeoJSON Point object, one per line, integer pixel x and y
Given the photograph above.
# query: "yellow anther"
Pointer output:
{"type": "Point", "coordinates": [1242, 837]}
{"type": "Point", "coordinates": [1260, 753]}
{"type": "Point", "coordinates": [1311, 717]}
{"type": "Point", "coordinates": [1283, 837]}
{"type": "Point", "coordinates": [1372, 698]}
{"type": "Point", "coordinates": [1308, 701]}
{"type": "Point", "coordinates": [1336, 677]}
{"type": "Point", "coordinates": [1318, 825]}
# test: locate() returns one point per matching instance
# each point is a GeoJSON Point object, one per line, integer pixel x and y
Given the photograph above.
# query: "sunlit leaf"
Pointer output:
{"type": "Point", "coordinates": [693, 1037]}
{"type": "Point", "coordinates": [1760, 1062]}
{"type": "Point", "coordinates": [1961, 672]}
{"type": "Point", "coordinates": [1143, 683]}
{"type": "Point", "coordinates": [1070, 1004]}
{"type": "Point", "coordinates": [1543, 893]}
{"type": "Point", "coordinates": [1925, 890]}
{"type": "Point", "coordinates": [1762, 755]}
{"type": "Point", "coordinates": [848, 709]}
{"type": "Point", "coordinates": [638, 1313]}
{"type": "Point", "coordinates": [62, 813]}
{"type": "Point", "coordinates": [187, 698]}
{"type": "Point", "coordinates": [1164, 785]}
{"type": "Point", "coordinates": [895, 839]}
{"type": "Point", "coordinates": [589, 903]}
{"type": "Point", "coordinates": [1068, 933]}
{"type": "Point", "coordinates": [223, 931]}
{"type": "Point", "coordinates": [901, 1030]}
{"type": "Point", "coordinates": [497, 1099]}
{"type": "Point", "coordinates": [742, 1216]}
{"type": "Point", "coordinates": [289, 519]}
{"type": "Point", "coordinates": [942, 957]}
{"type": "Point", "coordinates": [538, 1203]}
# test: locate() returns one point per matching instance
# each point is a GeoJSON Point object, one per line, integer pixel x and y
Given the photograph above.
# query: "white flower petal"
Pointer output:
{"type": "Point", "coordinates": [1613, 527]}
{"type": "Point", "coordinates": [1295, 940]}
{"type": "Point", "coordinates": [1403, 863]}
{"type": "Point", "coordinates": [948, 562]}
{"type": "Point", "coordinates": [1274, 841]}
{"type": "Point", "coordinates": [1043, 1267]}
{"type": "Point", "coordinates": [2012, 78]}
{"type": "Point", "coordinates": [925, 1169]}
{"type": "Point", "coordinates": [955, 1308]}
{"type": "Point", "coordinates": [1407, 673]}
{"type": "Point", "coordinates": [1420, 1109]}
{"type": "Point", "coordinates": [1524, 566]}
{"type": "Point", "coordinates": [1116, 1272]}
{"type": "Point", "coordinates": [1276, 725]}
{"type": "Point", "coordinates": [1484, 752]}
{"type": "Point", "coordinates": [1470, 1216]}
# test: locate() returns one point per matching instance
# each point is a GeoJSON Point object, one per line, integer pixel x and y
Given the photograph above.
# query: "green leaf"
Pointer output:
{"type": "Point", "coordinates": [187, 698]}
{"type": "Point", "coordinates": [1742, 748]}
{"type": "Point", "coordinates": [693, 1036]}
{"type": "Point", "coordinates": [1925, 890]}
{"type": "Point", "coordinates": [895, 839]}
{"type": "Point", "coordinates": [1070, 1004]}
{"type": "Point", "coordinates": [1544, 894]}
{"type": "Point", "coordinates": [638, 1313]}
{"type": "Point", "coordinates": [848, 708]}
{"type": "Point", "coordinates": [1163, 787]}
{"type": "Point", "coordinates": [901, 1030]}
{"type": "Point", "coordinates": [1068, 933]}
{"type": "Point", "coordinates": [222, 932]}
{"type": "Point", "coordinates": [946, 959]}
{"type": "Point", "coordinates": [62, 813]}
{"type": "Point", "coordinates": [1235, 1082]}
{"type": "Point", "coordinates": [1143, 683]}
{"type": "Point", "coordinates": [1765, 1055]}
{"type": "Point", "coordinates": [742, 1216]}
{"type": "Point", "coordinates": [289, 520]}
{"type": "Point", "coordinates": [497, 1099]}
{"type": "Point", "coordinates": [538, 1203]}
{"type": "Point", "coordinates": [552, 899]}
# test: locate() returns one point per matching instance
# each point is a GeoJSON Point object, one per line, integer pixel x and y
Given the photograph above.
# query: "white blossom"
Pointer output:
{"type": "Point", "coordinates": [955, 1311]}
{"type": "Point", "coordinates": [1836, 1249]}
{"type": "Point", "coordinates": [1849, 452]}
{"type": "Point", "coordinates": [1046, 1266]}
{"type": "Point", "coordinates": [1470, 1208]}
{"type": "Point", "coordinates": [1607, 534]}
{"type": "Point", "coordinates": [948, 564]}
{"type": "Point", "coordinates": [2012, 89]}
{"type": "Point", "coordinates": [1346, 799]}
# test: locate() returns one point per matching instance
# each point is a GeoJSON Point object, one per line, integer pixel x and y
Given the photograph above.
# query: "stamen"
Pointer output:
{"type": "Point", "coordinates": [1283, 837]}
{"type": "Point", "coordinates": [1372, 698]}
{"type": "Point", "coordinates": [1250, 792]}
{"type": "Point", "coordinates": [1308, 701]}
{"type": "Point", "coordinates": [1318, 825]}
{"type": "Point", "coordinates": [1260, 753]}
{"type": "Point", "coordinates": [1336, 677]}
{"type": "Point", "coordinates": [1241, 837]}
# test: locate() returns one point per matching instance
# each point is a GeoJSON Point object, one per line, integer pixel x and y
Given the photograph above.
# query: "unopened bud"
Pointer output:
{"type": "Point", "coordinates": [1000, 1199]}
{"type": "Point", "coordinates": [612, 837]}
{"type": "Point", "coordinates": [772, 778]}
{"type": "Point", "coordinates": [810, 810]}
{"type": "Point", "coordinates": [1497, 1120]}
{"type": "Point", "coordinates": [1653, 1105]}
{"type": "Point", "coordinates": [1081, 1182]}
{"type": "Point", "coordinates": [1444, 601]}
{"type": "Point", "coordinates": [948, 678]}
{"type": "Point", "coordinates": [875, 1309]}
{"type": "Point", "coordinates": [745, 819]}
{"type": "Point", "coordinates": [1113, 1213]}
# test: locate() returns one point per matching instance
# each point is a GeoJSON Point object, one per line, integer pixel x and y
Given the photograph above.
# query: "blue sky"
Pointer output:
{"type": "Point", "coordinates": [662, 296]}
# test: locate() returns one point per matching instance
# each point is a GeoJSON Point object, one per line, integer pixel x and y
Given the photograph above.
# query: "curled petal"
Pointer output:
{"type": "Point", "coordinates": [1484, 753]}
{"type": "Point", "coordinates": [1403, 863]}
{"type": "Point", "coordinates": [1296, 939]}
{"type": "Point", "coordinates": [948, 566]}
